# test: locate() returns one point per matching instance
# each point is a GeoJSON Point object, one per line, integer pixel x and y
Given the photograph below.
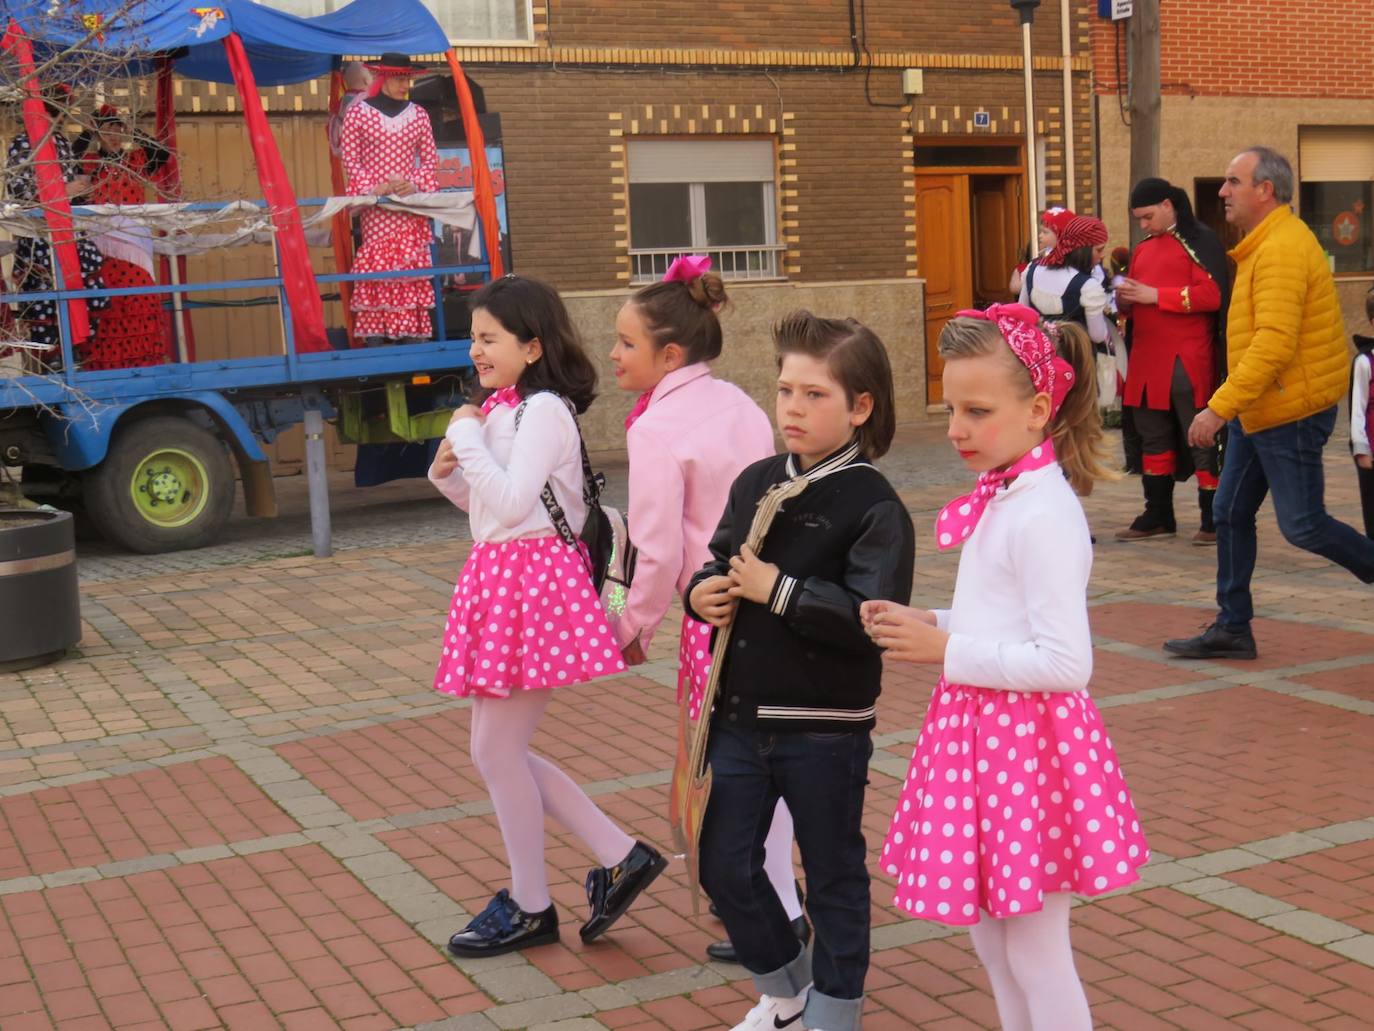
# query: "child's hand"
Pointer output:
{"type": "Point", "coordinates": [752, 578]}
{"type": "Point", "coordinates": [1364, 461]}
{"type": "Point", "coordinates": [712, 602]}
{"type": "Point", "coordinates": [869, 610]}
{"type": "Point", "coordinates": [445, 461]}
{"type": "Point", "coordinates": [466, 412]}
{"type": "Point", "coordinates": [633, 654]}
{"type": "Point", "coordinates": [906, 634]}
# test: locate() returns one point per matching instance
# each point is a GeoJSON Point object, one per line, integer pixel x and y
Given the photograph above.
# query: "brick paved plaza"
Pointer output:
{"type": "Point", "coordinates": [240, 805]}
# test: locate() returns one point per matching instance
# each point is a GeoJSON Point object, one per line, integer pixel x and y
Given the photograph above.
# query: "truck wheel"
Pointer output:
{"type": "Point", "coordinates": [165, 485]}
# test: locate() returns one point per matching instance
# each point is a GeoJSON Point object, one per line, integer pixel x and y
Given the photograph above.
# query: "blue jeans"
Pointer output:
{"type": "Point", "coordinates": [1285, 461]}
{"type": "Point", "coordinates": [822, 778]}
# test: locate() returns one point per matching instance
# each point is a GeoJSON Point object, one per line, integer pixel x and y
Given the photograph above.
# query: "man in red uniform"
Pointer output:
{"type": "Point", "coordinates": [1175, 295]}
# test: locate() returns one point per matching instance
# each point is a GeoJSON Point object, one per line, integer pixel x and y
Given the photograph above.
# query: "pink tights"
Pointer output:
{"type": "Point", "coordinates": [777, 860]}
{"type": "Point", "coordinates": [1029, 961]}
{"type": "Point", "coordinates": [524, 788]}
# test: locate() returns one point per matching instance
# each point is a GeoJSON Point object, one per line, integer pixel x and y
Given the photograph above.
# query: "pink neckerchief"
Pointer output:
{"type": "Point", "coordinates": [503, 396]}
{"type": "Point", "coordinates": [960, 516]}
{"type": "Point", "coordinates": [640, 407]}
{"type": "Point", "coordinates": [669, 383]}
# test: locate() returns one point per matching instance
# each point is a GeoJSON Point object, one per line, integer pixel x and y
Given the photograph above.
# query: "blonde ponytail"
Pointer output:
{"type": "Point", "coordinates": [1077, 428]}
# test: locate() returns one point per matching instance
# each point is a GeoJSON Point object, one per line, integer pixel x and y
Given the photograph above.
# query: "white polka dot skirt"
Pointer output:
{"type": "Point", "coordinates": [1010, 797]}
{"type": "Point", "coordinates": [693, 664]}
{"type": "Point", "coordinates": [524, 616]}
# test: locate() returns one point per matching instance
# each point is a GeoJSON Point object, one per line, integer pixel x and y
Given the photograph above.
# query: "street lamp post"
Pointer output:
{"type": "Point", "coordinates": [1026, 8]}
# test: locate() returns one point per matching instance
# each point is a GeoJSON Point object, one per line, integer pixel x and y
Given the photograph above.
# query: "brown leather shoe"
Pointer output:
{"type": "Point", "coordinates": [1205, 538]}
{"type": "Point", "coordinates": [1133, 534]}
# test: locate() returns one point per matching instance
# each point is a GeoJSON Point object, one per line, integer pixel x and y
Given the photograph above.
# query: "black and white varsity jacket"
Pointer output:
{"type": "Point", "coordinates": [803, 662]}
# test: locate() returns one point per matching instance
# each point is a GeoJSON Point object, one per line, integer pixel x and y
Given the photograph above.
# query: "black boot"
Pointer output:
{"type": "Point", "coordinates": [612, 889]}
{"type": "Point", "coordinates": [1215, 642]}
{"type": "Point", "coordinates": [504, 927]}
{"type": "Point", "coordinates": [1207, 533]}
{"type": "Point", "coordinates": [1158, 517]}
{"type": "Point", "coordinates": [724, 951]}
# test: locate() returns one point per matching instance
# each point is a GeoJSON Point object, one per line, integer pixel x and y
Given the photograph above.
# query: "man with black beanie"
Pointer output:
{"type": "Point", "coordinates": [1175, 294]}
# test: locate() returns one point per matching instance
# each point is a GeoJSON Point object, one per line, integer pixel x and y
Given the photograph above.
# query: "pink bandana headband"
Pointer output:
{"type": "Point", "coordinates": [1020, 328]}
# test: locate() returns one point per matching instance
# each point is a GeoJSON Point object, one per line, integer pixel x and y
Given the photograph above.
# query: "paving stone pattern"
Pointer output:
{"type": "Point", "coordinates": [239, 805]}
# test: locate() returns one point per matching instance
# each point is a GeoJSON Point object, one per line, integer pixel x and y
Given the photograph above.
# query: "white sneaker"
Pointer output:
{"type": "Point", "coordinates": [773, 1012]}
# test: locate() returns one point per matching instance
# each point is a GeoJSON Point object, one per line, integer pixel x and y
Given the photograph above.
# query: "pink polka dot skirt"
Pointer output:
{"type": "Point", "coordinates": [1010, 797]}
{"type": "Point", "coordinates": [524, 616]}
{"type": "Point", "coordinates": [693, 664]}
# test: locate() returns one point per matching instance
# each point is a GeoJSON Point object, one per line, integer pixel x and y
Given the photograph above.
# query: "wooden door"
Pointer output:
{"type": "Point", "coordinates": [944, 260]}
{"type": "Point", "coordinates": [996, 236]}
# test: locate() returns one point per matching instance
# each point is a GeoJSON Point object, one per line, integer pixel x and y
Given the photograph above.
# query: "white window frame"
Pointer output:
{"type": "Point", "coordinates": [329, 6]}
{"type": "Point", "coordinates": [527, 41]}
{"type": "Point", "coordinates": [734, 261]}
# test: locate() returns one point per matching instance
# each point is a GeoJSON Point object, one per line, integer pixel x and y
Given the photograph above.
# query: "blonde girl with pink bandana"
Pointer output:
{"type": "Point", "coordinates": [1014, 799]}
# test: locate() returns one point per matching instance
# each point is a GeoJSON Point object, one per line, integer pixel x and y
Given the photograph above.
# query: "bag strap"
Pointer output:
{"type": "Point", "coordinates": [592, 484]}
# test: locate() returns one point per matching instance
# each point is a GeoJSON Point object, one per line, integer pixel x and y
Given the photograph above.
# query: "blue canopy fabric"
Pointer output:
{"type": "Point", "coordinates": [282, 48]}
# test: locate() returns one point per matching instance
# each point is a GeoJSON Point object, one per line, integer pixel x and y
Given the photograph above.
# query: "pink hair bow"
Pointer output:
{"type": "Point", "coordinates": [686, 267]}
{"type": "Point", "coordinates": [1020, 328]}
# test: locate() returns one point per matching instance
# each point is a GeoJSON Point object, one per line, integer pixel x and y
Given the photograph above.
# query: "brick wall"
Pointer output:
{"type": "Point", "coordinates": [1278, 48]}
{"type": "Point", "coordinates": [953, 26]}
{"type": "Point", "coordinates": [852, 166]}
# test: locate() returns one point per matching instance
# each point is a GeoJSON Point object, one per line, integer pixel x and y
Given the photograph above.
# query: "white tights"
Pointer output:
{"type": "Point", "coordinates": [777, 860]}
{"type": "Point", "coordinates": [524, 787]}
{"type": "Point", "coordinates": [1030, 962]}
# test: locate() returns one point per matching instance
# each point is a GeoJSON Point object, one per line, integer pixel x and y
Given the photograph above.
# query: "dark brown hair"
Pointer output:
{"type": "Point", "coordinates": [532, 309]}
{"type": "Point", "coordinates": [856, 359]}
{"type": "Point", "coordinates": [684, 314]}
{"type": "Point", "coordinates": [1076, 428]}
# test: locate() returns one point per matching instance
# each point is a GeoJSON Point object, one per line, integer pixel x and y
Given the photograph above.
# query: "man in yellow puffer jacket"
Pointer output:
{"type": "Point", "coordinates": [1288, 368]}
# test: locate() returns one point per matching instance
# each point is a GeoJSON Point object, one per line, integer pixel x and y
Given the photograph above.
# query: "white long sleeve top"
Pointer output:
{"type": "Point", "coordinates": [1359, 406]}
{"type": "Point", "coordinates": [501, 472]}
{"type": "Point", "coordinates": [1019, 619]}
{"type": "Point", "coordinates": [1048, 297]}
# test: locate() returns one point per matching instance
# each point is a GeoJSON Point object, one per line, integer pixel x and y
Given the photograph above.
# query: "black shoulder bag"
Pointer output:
{"type": "Point", "coordinates": [596, 531]}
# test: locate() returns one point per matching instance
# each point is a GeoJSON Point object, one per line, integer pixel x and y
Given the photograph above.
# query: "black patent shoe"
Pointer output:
{"type": "Point", "coordinates": [724, 952]}
{"type": "Point", "coordinates": [1216, 642]}
{"type": "Point", "coordinates": [504, 927]}
{"type": "Point", "coordinates": [611, 890]}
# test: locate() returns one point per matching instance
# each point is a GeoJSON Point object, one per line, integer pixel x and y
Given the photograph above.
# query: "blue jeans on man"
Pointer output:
{"type": "Point", "coordinates": [1286, 462]}
{"type": "Point", "coordinates": [822, 778]}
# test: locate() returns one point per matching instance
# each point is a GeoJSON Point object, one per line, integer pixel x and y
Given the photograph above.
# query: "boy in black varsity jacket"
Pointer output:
{"type": "Point", "coordinates": [797, 695]}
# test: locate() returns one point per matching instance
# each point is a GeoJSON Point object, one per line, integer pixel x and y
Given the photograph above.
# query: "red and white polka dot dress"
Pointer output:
{"type": "Point", "coordinates": [376, 148]}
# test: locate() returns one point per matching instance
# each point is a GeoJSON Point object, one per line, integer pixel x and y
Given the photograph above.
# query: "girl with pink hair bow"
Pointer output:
{"type": "Point", "coordinates": [689, 435]}
{"type": "Point", "coordinates": [1015, 798]}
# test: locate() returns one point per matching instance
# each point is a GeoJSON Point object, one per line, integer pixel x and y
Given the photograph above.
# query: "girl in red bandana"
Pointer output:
{"type": "Point", "coordinates": [1015, 798]}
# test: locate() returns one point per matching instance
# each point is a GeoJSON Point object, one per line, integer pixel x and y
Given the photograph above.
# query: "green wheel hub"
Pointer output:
{"type": "Point", "coordinates": [170, 487]}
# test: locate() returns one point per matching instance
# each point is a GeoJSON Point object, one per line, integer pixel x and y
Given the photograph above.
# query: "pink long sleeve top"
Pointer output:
{"type": "Point", "coordinates": [688, 446]}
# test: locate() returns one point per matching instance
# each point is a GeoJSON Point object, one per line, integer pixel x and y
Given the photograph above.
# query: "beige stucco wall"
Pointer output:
{"type": "Point", "coordinates": [1198, 138]}
{"type": "Point", "coordinates": [894, 309]}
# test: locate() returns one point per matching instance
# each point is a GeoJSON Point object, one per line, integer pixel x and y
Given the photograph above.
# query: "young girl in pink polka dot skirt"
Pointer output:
{"type": "Point", "coordinates": [689, 435]}
{"type": "Point", "coordinates": [525, 618]}
{"type": "Point", "coordinates": [1014, 798]}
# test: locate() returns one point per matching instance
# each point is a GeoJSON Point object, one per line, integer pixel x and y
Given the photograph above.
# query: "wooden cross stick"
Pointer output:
{"type": "Point", "coordinates": [691, 786]}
